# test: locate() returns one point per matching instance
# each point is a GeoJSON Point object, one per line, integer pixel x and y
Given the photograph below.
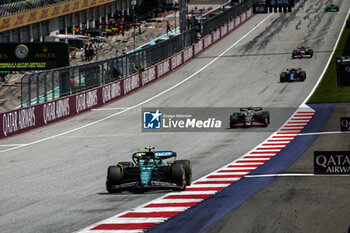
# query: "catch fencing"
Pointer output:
{"type": "Point", "coordinates": [52, 84]}
{"type": "Point", "coordinates": [223, 15]}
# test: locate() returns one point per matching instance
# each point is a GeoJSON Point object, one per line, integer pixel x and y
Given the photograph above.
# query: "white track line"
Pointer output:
{"type": "Point", "coordinates": [8, 145]}
{"type": "Point", "coordinates": [324, 133]}
{"type": "Point", "coordinates": [146, 101]}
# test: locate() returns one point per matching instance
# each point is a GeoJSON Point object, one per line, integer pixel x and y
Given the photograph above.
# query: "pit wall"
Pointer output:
{"type": "Point", "coordinates": [35, 116]}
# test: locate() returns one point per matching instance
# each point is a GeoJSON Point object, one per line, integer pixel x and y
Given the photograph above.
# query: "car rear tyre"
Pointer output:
{"type": "Point", "coordinates": [311, 53]}
{"type": "Point", "coordinates": [178, 176]}
{"type": "Point", "coordinates": [266, 119]}
{"type": "Point", "coordinates": [188, 170]}
{"type": "Point", "coordinates": [302, 75]}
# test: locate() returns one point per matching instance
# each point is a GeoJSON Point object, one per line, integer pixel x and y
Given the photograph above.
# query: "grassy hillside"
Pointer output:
{"type": "Point", "coordinates": [328, 91]}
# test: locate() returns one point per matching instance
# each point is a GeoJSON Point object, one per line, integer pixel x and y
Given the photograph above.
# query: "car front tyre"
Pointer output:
{"type": "Point", "coordinates": [233, 120]}
{"type": "Point", "coordinates": [111, 188]}
{"type": "Point", "coordinates": [114, 177]}
{"type": "Point", "coordinates": [283, 77]}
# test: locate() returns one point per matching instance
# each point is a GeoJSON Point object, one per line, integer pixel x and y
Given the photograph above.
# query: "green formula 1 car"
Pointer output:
{"type": "Point", "coordinates": [332, 8]}
{"type": "Point", "coordinates": [149, 170]}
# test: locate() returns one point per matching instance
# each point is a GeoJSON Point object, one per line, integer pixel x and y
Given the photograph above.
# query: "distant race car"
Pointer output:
{"type": "Point", "coordinates": [302, 52]}
{"type": "Point", "coordinates": [292, 74]}
{"type": "Point", "coordinates": [250, 116]}
{"type": "Point", "coordinates": [332, 8]}
{"type": "Point", "coordinates": [150, 171]}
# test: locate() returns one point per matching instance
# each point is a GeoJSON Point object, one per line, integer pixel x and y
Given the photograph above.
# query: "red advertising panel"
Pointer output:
{"type": "Point", "coordinates": [224, 30]}
{"type": "Point", "coordinates": [176, 61]}
{"type": "Point", "coordinates": [208, 40]}
{"type": "Point", "coordinates": [231, 25]}
{"type": "Point", "coordinates": [148, 75]}
{"type": "Point", "coordinates": [187, 54]}
{"type": "Point", "coordinates": [198, 47]}
{"type": "Point", "coordinates": [163, 68]}
{"type": "Point", "coordinates": [216, 35]}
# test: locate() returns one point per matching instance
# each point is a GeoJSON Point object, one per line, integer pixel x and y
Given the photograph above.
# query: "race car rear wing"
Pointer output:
{"type": "Point", "coordinates": [154, 154]}
{"type": "Point", "coordinates": [252, 108]}
{"type": "Point", "coordinates": [165, 154]}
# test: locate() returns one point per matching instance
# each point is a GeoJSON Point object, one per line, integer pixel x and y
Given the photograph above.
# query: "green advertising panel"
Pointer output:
{"type": "Point", "coordinates": [33, 55]}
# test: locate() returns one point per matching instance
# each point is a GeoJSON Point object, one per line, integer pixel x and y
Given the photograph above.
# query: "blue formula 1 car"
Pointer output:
{"type": "Point", "coordinates": [148, 171]}
{"type": "Point", "coordinates": [292, 74]}
{"type": "Point", "coordinates": [302, 52]}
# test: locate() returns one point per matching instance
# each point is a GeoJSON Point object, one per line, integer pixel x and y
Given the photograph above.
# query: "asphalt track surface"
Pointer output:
{"type": "Point", "coordinates": [297, 201]}
{"type": "Point", "coordinates": [52, 179]}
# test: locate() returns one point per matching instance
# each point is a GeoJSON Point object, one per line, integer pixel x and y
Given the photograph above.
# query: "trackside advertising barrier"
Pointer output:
{"type": "Point", "coordinates": [25, 119]}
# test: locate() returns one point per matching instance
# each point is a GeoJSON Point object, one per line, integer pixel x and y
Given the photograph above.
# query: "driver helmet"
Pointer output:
{"type": "Point", "coordinates": [250, 106]}
{"type": "Point", "coordinates": [150, 162]}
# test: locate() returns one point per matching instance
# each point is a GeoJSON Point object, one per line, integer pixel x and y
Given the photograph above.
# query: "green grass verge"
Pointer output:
{"type": "Point", "coordinates": [328, 90]}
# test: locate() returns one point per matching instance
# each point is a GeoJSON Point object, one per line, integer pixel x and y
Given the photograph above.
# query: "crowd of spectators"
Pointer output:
{"type": "Point", "coordinates": [8, 7]}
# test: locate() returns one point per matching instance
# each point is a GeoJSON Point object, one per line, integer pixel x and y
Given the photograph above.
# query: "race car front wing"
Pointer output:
{"type": "Point", "coordinates": [154, 185]}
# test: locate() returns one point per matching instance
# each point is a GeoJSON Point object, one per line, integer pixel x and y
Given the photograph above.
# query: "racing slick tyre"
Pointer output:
{"type": "Point", "coordinates": [302, 75]}
{"type": "Point", "coordinates": [311, 52]}
{"type": "Point", "coordinates": [110, 188]}
{"type": "Point", "coordinates": [188, 170]}
{"type": "Point", "coordinates": [114, 177]}
{"type": "Point", "coordinates": [283, 77]}
{"type": "Point", "coordinates": [294, 54]}
{"type": "Point", "coordinates": [178, 176]}
{"type": "Point", "coordinates": [233, 120]}
{"type": "Point", "coordinates": [266, 118]}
